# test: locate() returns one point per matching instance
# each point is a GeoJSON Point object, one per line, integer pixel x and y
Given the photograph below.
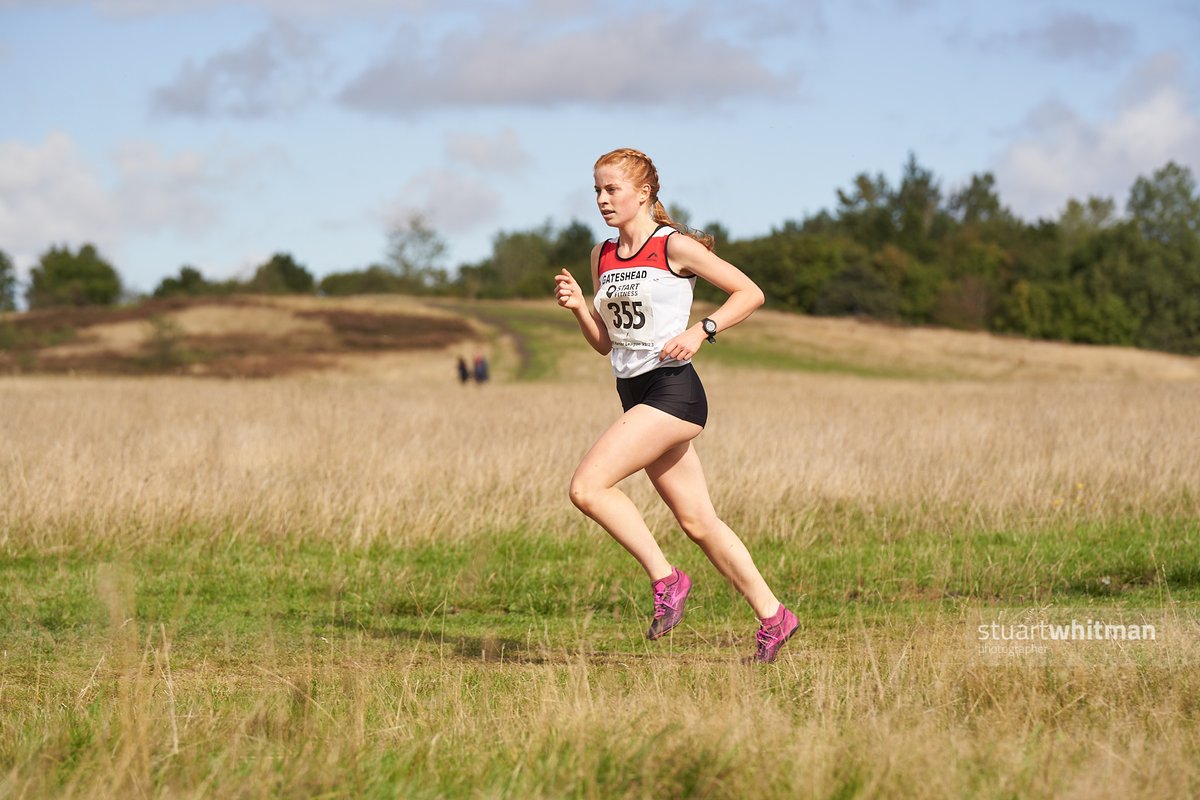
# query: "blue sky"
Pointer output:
{"type": "Point", "coordinates": [216, 133]}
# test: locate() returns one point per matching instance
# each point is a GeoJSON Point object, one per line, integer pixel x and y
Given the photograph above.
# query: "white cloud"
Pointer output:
{"type": "Point", "coordinates": [158, 191]}
{"type": "Point", "coordinates": [449, 201]}
{"type": "Point", "coordinates": [1067, 37]}
{"type": "Point", "coordinates": [513, 60]}
{"type": "Point", "coordinates": [1062, 155]}
{"type": "Point", "coordinates": [51, 194]}
{"type": "Point", "coordinates": [499, 153]}
{"type": "Point", "coordinates": [273, 72]}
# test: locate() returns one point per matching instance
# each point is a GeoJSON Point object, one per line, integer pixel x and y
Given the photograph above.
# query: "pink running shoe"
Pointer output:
{"type": "Point", "coordinates": [668, 603]}
{"type": "Point", "coordinates": [773, 633]}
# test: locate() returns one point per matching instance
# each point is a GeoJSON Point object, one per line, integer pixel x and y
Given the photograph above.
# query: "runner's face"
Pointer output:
{"type": "Point", "coordinates": [616, 197]}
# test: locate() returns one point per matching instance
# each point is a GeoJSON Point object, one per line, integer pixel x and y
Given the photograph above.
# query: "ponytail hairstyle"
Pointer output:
{"type": "Point", "coordinates": [639, 169]}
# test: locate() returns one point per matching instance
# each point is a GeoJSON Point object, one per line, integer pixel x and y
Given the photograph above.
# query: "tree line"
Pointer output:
{"type": "Point", "coordinates": [908, 253]}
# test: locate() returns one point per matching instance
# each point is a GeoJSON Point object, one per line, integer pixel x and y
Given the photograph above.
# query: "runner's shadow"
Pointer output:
{"type": "Point", "coordinates": [471, 648]}
{"type": "Point", "coordinates": [507, 650]}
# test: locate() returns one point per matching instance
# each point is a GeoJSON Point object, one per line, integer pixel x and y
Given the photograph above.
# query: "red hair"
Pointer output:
{"type": "Point", "coordinates": [640, 171]}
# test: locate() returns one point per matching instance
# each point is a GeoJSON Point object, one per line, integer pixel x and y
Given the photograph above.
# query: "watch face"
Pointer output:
{"type": "Point", "coordinates": [710, 326]}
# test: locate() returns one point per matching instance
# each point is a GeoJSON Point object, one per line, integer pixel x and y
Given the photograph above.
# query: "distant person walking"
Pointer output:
{"type": "Point", "coordinates": [481, 369]}
{"type": "Point", "coordinates": [464, 373]}
{"type": "Point", "coordinates": [642, 281]}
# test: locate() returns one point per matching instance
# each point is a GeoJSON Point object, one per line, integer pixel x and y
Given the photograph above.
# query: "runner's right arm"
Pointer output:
{"type": "Point", "coordinates": [570, 296]}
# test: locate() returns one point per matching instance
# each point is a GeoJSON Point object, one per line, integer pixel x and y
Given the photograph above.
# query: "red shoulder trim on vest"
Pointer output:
{"type": "Point", "coordinates": [651, 255]}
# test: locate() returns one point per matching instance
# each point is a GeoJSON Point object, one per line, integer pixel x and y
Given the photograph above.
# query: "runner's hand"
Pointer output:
{"type": "Point", "coordinates": [683, 346]}
{"type": "Point", "coordinates": [567, 291]}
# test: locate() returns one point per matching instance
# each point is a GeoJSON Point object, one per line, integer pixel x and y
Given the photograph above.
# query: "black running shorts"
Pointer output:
{"type": "Point", "coordinates": [675, 390]}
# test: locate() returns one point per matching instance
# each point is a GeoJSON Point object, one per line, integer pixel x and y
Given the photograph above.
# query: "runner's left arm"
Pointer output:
{"type": "Point", "coordinates": [689, 257]}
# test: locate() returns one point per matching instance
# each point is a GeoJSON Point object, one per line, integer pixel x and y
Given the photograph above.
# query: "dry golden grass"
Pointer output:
{"type": "Point", "coordinates": [263, 320]}
{"type": "Point", "coordinates": [119, 337]}
{"type": "Point", "coordinates": [403, 451]}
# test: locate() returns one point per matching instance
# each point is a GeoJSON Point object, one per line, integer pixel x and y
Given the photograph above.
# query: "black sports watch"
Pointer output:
{"type": "Point", "coordinates": [710, 328]}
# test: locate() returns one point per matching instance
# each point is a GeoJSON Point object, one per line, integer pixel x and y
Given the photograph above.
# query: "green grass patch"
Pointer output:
{"type": "Point", "coordinates": [502, 583]}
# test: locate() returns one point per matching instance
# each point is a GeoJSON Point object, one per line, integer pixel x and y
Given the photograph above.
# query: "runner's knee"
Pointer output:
{"type": "Point", "coordinates": [583, 494]}
{"type": "Point", "coordinates": [698, 525]}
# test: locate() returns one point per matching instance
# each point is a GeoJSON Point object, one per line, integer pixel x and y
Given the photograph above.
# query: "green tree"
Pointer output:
{"type": "Point", "coordinates": [415, 252]}
{"type": "Point", "coordinates": [858, 290]}
{"type": "Point", "coordinates": [1026, 309]}
{"type": "Point", "coordinates": [790, 265]}
{"type": "Point", "coordinates": [967, 302]}
{"type": "Point", "coordinates": [375, 279]}
{"type": "Point", "coordinates": [1165, 210]}
{"type": "Point", "coordinates": [63, 278]}
{"type": "Point", "coordinates": [524, 263]}
{"type": "Point", "coordinates": [865, 212]}
{"type": "Point", "coordinates": [8, 283]}
{"type": "Point", "coordinates": [1082, 219]}
{"type": "Point", "coordinates": [1166, 206]}
{"type": "Point", "coordinates": [916, 208]}
{"type": "Point", "coordinates": [573, 249]}
{"type": "Point", "coordinates": [189, 283]}
{"type": "Point", "coordinates": [978, 202]}
{"type": "Point", "coordinates": [917, 283]}
{"type": "Point", "coordinates": [281, 275]}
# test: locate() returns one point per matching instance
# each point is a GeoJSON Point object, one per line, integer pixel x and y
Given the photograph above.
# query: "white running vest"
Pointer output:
{"type": "Point", "coordinates": [643, 302]}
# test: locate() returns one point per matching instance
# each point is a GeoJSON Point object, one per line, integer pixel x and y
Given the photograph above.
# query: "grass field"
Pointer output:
{"type": "Point", "coordinates": [360, 579]}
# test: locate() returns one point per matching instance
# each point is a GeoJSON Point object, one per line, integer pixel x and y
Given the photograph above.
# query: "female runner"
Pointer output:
{"type": "Point", "coordinates": [643, 280]}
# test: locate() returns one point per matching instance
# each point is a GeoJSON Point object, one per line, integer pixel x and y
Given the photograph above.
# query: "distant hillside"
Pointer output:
{"type": "Point", "coordinates": [223, 337]}
{"type": "Point", "coordinates": [259, 336]}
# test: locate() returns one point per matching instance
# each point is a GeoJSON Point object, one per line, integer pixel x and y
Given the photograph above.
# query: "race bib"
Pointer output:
{"type": "Point", "coordinates": [623, 302]}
